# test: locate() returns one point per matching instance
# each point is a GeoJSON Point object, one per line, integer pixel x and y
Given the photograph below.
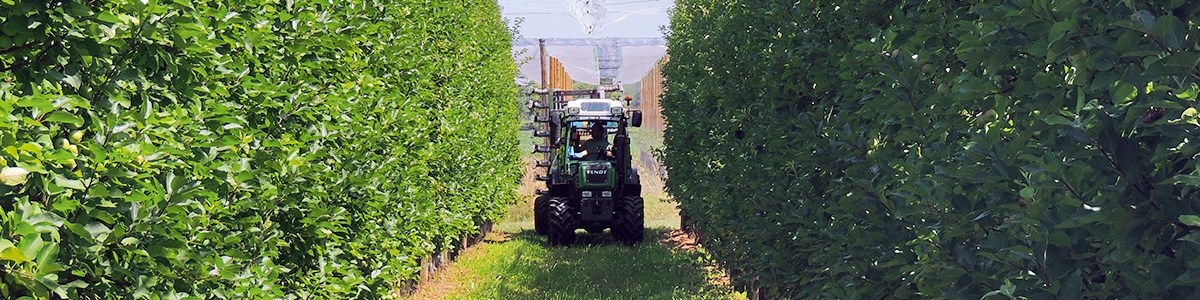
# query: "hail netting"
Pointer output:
{"type": "Point", "coordinates": [593, 61]}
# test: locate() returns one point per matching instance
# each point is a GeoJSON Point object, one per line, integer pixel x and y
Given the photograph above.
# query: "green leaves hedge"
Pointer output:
{"type": "Point", "coordinates": [941, 149]}
{"type": "Point", "coordinates": [246, 149]}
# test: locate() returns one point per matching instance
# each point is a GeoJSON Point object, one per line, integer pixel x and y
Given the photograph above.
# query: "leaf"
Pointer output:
{"type": "Point", "coordinates": [1008, 288]}
{"type": "Point", "coordinates": [41, 102]}
{"type": "Point", "coordinates": [97, 231]}
{"type": "Point", "coordinates": [70, 102]}
{"type": "Point", "coordinates": [1189, 93]}
{"type": "Point", "coordinates": [1123, 93]}
{"type": "Point", "coordinates": [1027, 192]}
{"type": "Point", "coordinates": [1190, 220]}
{"type": "Point", "coordinates": [78, 230]}
{"type": "Point", "coordinates": [1072, 287]}
{"type": "Point", "coordinates": [1127, 42]}
{"type": "Point", "coordinates": [1190, 116]}
{"type": "Point", "coordinates": [989, 294]}
{"type": "Point", "coordinates": [1082, 219]}
{"type": "Point", "coordinates": [64, 117]}
{"type": "Point", "coordinates": [1193, 238]}
{"type": "Point", "coordinates": [72, 81]}
{"type": "Point", "coordinates": [31, 147]}
{"type": "Point", "coordinates": [63, 181]}
{"type": "Point", "coordinates": [8, 251]}
{"type": "Point", "coordinates": [13, 176]}
{"type": "Point", "coordinates": [30, 247]}
{"type": "Point", "coordinates": [1145, 18]}
{"type": "Point", "coordinates": [1055, 119]}
{"type": "Point", "coordinates": [1058, 30]}
{"type": "Point", "coordinates": [46, 258]}
{"type": "Point", "coordinates": [1187, 60]}
{"type": "Point", "coordinates": [108, 17]}
{"type": "Point", "coordinates": [1192, 180]}
{"type": "Point", "coordinates": [1171, 30]}
{"type": "Point", "coordinates": [65, 205]}
{"type": "Point", "coordinates": [45, 221]}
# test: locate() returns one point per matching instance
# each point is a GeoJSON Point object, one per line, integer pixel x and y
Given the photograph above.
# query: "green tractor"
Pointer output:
{"type": "Point", "coordinates": [591, 184]}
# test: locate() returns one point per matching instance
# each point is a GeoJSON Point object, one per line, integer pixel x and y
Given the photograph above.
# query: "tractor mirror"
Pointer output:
{"type": "Point", "coordinates": [636, 119]}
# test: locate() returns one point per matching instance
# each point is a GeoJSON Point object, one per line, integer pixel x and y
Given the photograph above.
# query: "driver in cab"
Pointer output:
{"type": "Point", "coordinates": [597, 147]}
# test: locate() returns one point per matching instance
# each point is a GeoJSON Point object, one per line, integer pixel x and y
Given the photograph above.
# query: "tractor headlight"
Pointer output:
{"type": "Point", "coordinates": [572, 110]}
{"type": "Point", "coordinates": [616, 110]}
{"type": "Point", "coordinates": [606, 194]}
{"type": "Point", "coordinates": [587, 194]}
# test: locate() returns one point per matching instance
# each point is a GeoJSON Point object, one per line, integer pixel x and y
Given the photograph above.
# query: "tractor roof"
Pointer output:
{"type": "Point", "coordinates": [594, 109]}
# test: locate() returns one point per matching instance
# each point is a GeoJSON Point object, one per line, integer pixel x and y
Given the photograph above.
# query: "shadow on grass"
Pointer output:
{"type": "Point", "coordinates": [596, 267]}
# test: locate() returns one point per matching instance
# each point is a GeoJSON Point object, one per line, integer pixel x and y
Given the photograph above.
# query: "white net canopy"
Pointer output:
{"type": "Point", "coordinates": [593, 60]}
{"type": "Point", "coordinates": [590, 14]}
{"type": "Point", "coordinates": [593, 16]}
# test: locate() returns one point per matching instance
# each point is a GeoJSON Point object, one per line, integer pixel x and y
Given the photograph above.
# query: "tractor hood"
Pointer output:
{"type": "Point", "coordinates": [596, 175]}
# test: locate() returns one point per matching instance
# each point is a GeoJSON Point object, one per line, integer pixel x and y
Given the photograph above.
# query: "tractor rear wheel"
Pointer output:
{"type": "Point", "coordinates": [541, 214]}
{"type": "Point", "coordinates": [562, 222]}
{"type": "Point", "coordinates": [629, 226]}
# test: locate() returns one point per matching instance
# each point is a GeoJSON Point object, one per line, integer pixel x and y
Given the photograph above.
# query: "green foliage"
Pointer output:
{"type": "Point", "coordinates": [941, 149]}
{"type": "Point", "coordinates": [246, 149]}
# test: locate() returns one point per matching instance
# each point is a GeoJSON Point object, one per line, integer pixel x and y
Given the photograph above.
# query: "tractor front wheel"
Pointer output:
{"type": "Point", "coordinates": [562, 222]}
{"type": "Point", "coordinates": [541, 215]}
{"type": "Point", "coordinates": [629, 225]}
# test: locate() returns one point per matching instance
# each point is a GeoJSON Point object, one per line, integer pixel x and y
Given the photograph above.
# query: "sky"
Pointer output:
{"type": "Point", "coordinates": [622, 19]}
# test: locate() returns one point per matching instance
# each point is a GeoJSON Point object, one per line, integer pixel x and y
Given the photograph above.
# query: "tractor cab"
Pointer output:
{"type": "Point", "coordinates": [581, 135]}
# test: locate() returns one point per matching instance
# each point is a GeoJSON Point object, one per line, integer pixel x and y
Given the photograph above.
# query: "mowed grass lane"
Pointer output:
{"type": "Point", "coordinates": [515, 263]}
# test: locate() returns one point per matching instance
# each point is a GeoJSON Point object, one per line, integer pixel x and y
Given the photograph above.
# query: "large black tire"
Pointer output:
{"type": "Point", "coordinates": [562, 222]}
{"type": "Point", "coordinates": [629, 226]}
{"type": "Point", "coordinates": [541, 215]}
